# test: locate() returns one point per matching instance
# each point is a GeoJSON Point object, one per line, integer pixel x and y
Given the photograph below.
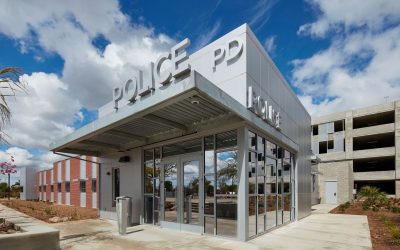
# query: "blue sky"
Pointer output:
{"type": "Point", "coordinates": [336, 54]}
{"type": "Point", "coordinates": [180, 20]}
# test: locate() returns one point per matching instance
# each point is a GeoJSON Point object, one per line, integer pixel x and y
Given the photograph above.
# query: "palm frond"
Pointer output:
{"type": "Point", "coordinates": [11, 82]}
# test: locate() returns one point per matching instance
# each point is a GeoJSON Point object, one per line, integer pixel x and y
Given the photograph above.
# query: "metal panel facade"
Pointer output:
{"type": "Point", "coordinates": [221, 92]}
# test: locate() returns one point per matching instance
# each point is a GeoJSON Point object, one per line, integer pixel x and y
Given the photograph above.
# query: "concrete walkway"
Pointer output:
{"type": "Point", "coordinates": [318, 231]}
{"type": "Point", "coordinates": [322, 208]}
{"type": "Point", "coordinates": [35, 234]}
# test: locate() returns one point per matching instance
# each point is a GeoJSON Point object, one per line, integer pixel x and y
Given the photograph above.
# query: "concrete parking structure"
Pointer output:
{"type": "Point", "coordinates": [356, 148]}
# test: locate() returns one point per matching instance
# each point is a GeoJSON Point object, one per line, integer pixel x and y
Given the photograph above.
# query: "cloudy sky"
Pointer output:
{"type": "Point", "coordinates": [336, 54]}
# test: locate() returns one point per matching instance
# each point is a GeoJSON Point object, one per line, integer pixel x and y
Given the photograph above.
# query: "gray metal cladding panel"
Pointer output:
{"type": "Point", "coordinates": [304, 172]}
{"type": "Point", "coordinates": [107, 138]}
{"type": "Point", "coordinates": [267, 80]}
{"type": "Point", "coordinates": [143, 127]}
{"type": "Point", "coordinates": [185, 112]}
{"type": "Point", "coordinates": [296, 122]}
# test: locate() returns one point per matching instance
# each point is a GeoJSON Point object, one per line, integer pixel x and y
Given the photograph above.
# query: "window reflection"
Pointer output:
{"type": "Point", "coordinates": [226, 139]}
{"type": "Point", "coordinates": [271, 149]}
{"type": "Point", "coordinates": [209, 194]}
{"type": "Point", "coordinates": [148, 171]}
{"type": "Point", "coordinates": [226, 208]}
{"type": "Point", "coordinates": [227, 215]}
{"type": "Point", "coordinates": [170, 186]}
{"type": "Point", "coordinates": [252, 173]}
{"type": "Point", "coordinates": [252, 215]}
{"type": "Point", "coordinates": [252, 141]}
{"type": "Point", "coordinates": [157, 162]}
{"type": "Point", "coordinates": [270, 192]}
{"type": "Point", "coordinates": [191, 192]}
{"type": "Point", "coordinates": [182, 148]}
{"type": "Point", "coordinates": [227, 172]}
{"type": "Point", "coordinates": [209, 155]}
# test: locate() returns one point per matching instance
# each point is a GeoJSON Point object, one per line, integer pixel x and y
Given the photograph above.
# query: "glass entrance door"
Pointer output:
{"type": "Point", "coordinates": [180, 185]}
{"type": "Point", "coordinates": [191, 191]}
{"type": "Point", "coordinates": [171, 208]}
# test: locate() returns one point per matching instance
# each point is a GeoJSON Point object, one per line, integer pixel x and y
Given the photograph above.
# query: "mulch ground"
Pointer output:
{"type": "Point", "coordinates": [380, 236]}
{"type": "Point", "coordinates": [45, 210]}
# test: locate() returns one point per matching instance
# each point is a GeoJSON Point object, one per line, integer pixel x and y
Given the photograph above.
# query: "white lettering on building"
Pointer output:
{"type": "Point", "coordinates": [262, 108]}
{"type": "Point", "coordinates": [135, 87]}
{"type": "Point", "coordinates": [229, 52]}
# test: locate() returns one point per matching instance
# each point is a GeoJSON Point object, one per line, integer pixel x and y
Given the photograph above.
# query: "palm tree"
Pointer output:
{"type": "Point", "coordinates": [9, 83]}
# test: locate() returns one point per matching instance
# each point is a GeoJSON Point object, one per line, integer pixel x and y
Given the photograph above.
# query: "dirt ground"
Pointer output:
{"type": "Point", "coordinates": [380, 236]}
{"type": "Point", "coordinates": [46, 210]}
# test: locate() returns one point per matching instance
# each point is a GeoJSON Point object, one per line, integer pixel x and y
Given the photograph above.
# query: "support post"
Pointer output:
{"type": "Point", "coordinates": [9, 187]}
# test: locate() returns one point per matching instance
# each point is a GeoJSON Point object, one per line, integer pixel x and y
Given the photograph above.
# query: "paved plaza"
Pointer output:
{"type": "Point", "coordinates": [320, 230]}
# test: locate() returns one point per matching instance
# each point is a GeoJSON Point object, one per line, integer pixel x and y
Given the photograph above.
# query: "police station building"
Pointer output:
{"type": "Point", "coordinates": [215, 142]}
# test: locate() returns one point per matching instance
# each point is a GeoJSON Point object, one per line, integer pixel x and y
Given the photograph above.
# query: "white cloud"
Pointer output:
{"type": "Point", "coordinates": [79, 116]}
{"type": "Point", "coordinates": [46, 160]}
{"type": "Point", "coordinates": [337, 14]}
{"type": "Point", "coordinates": [260, 13]}
{"type": "Point", "coordinates": [359, 68]}
{"type": "Point", "coordinates": [24, 159]}
{"type": "Point", "coordinates": [206, 37]}
{"type": "Point", "coordinates": [42, 113]}
{"type": "Point", "coordinates": [52, 102]}
{"type": "Point", "coordinates": [68, 29]}
{"type": "Point", "coordinates": [270, 45]}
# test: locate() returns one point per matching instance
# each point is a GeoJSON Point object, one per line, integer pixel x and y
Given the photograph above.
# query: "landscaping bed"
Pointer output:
{"type": "Point", "coordinates": [383, 219]}
{"type": "Point", "coordinates": [50, 212]}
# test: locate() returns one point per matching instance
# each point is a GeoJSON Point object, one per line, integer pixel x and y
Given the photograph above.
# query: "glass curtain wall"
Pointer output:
{"type": "Point", "coordinates": [209, 185]}
{"type": "Point", "coordinates": [220, 184]}
{"type": "Point", "coordinates": [279, 185]}
{"type": "Point", "coordinates": [181, 167]}
{"type": "Point", "coordinates": [152, 186]}
{"type": "Point", "coordinates": [261, 199]}
{"type": "Point", "coordinates": [292, 186]}
{"type": "Point", "coordinates": [252, 176]}
{"type": "Point", "coordinates": [287, 192]}
{"type": "Point", "coordinates": [270, 186]}
{"type": "Point", "coordinates": [271, 182]}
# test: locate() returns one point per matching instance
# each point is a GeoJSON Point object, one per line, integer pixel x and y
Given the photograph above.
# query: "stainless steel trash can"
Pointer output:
{"type": "Point", "coordinates": [123, 213]}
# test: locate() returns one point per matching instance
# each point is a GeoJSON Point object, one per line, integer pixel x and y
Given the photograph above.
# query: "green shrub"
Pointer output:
{"type": "Point", "coordinates": [369, 191]}
{"type": "Point", "coordinates": [375, 199]}
{"type": "Point", "coordinates": [49, 211]}
{"type": "Point", "coordinates": [394, 230]}
{"type": "Point", "coordinates": [344, 206]}
{"type": "Point", "coordinates": [395, 233]}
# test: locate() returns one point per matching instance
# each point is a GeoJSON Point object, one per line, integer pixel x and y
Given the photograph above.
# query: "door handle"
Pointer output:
{"type": "Point", "coordinates": [334, 194]}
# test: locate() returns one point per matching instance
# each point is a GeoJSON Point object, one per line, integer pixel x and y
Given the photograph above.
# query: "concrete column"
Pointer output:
{"type": "Point", "coordinates": [397, 188]}
{"type": "Point", "coordinates": [397, 145]}
{"type": "Point", "coordinates": [349, 135]}
{"type": "Point", "coordinates": [351, 180]}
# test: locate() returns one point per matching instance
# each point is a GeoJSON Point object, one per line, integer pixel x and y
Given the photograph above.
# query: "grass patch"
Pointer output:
{"type": "Point", "coordinates": [394, 230]}
{"type": "Point", "coordinates": [49, 211]}
{"type": "Point", "coordinates": [344, 206]}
